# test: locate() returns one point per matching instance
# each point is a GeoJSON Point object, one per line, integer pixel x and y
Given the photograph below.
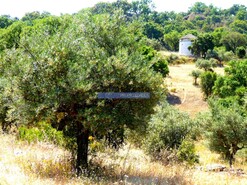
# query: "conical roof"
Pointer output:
{"type": "Point", "coordinates": [189, 36]}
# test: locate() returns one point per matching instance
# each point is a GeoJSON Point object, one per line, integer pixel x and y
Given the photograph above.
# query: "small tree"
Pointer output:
{"type": "Point", "coordinates": [208, 79]}
{"type": "Point", "coordinates": [202, 44]}
{"type": "Point", "coordinates": [207, 65]}
{"type": "Point", "coordinates": [234, 82]}
{"type": "Point", "coordinates": [227, 133]}
{"type": "Point", "coordinates": [196, 74]}
{"type": "Point", "coordinates": [233, 40]}
{"type": "Point", "coordinates": [167, 130]}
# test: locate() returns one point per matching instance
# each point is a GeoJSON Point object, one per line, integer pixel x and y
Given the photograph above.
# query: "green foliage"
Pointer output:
{"type": "Point", "coordinates": [172, 58]}
{"type": "Point", "coordinates": [59, 79]}
{"type": "Point", "coordinates": [208, 79]}
{"type": "Point", "coordinates": [227, 130]}
{"type": "Point", "coordinates": [158, 63]}
{"type": "Point", "coordinates": [224, 55]}
{"type": "Point", "coordinates": [241, 52]}
{"type": "Point", "coordinates": [10, 36]}
{"type": "Point", "coordinates": [186, 152]}
{"type": "Point", "coordinates": [234, 83]}
{"type": "Point", "coordinates": [41, 132]}
{"type": "Point", "coordinates": [239, 26]}
{"type": "Point", "coordinates": [161, 66]}
{"type": "Point", "coordinates": [233, 40]}
{"type": "Point", "coordinates": [6, 20]}
{"type": "Point", "coordinates": [212, 54]}
{"type": "Point", "coordinates": [153, 31]}
{"type": "Point", "coordinates": [207, 65]}
{"type": "Point", "coordinates": [172, 40]}
{"type": "Point", "coordinates": [202, 44]}
{"type": "Point", "coordinates": [154, 44]}
{"type": "Point", "coordinates": [167, 130]}
{"type": "Point", "coordinates": [198, 7]}
{"type": "Point", "coordinates": [148, 52]}
{"type": "Point", "coordinates": [196, 74]}
{"type": "Point", "coordinates": [53, 68]}
{"type": "Point", "coordinates": [29, 18]}
{"type": "Point", "coordinates": [241, 15]}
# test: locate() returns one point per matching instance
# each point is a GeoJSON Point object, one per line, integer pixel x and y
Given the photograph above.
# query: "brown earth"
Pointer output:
{"type": "Point", "coordinates": [182, 93]}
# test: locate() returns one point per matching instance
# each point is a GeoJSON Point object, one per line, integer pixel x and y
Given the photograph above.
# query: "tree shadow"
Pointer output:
{"type": "Point", "coordinates": [173, 99]}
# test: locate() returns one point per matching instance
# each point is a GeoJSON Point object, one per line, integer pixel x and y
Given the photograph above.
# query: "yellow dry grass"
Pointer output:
{"type": "Point", "coordinates": [127, 166]}
{"type": "Point", "coordinates": [42, 163]}
{"type": "Point", "coordinates": [189, 97]}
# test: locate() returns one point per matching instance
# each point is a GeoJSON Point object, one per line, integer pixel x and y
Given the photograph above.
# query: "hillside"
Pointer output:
{"type": "Point", "coordinates": [182, 93]}
{"type": "Point", "coordinates": [42, 163]}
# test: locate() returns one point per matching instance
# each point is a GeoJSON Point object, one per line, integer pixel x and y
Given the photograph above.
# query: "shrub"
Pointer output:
{"type": "Point", "coordinates": [167, 130]}
{"type": "Point", "coordinates": [161, 65]}
{"type": "Point", "coordinates": [241, 52]}
{"type": "Point", "coordinates": [227, 130]}
{"type": "Point", "coordinates": [42, 132]}
{"type": "Point", "coordinates": [212, 54]}
{"type": "Point", "coordinates": [207, 65]}
{"type": "Point", "coordinates": [186, 152]}
{"type": "Point", "coordinates": [228, 56]}
{"type": "Point", "coordinates": [208, 79]}
{"type": "Point", "coordinates": [154, 43]}
{"type": "Point", "coordinates": [195, 74]}
{"type": "Point", "coordinates": [172, 58]}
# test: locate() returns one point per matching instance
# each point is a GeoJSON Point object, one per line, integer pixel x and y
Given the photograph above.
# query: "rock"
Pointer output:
{"type": "Point", "coordinates": [215, 167]}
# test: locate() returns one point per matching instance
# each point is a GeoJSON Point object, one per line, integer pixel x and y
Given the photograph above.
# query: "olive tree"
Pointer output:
{"type": "Point", "coordinates": [167, 130]}
{"type": "Point", "coordinates": [227, 132]}
{"type": "Point", "coordinates": [234, 82]}
{"type": "Point", "coordinates": [205, 64]}
{"type": "Point", "coordinates": [207, 82]}
{"type": "Point", "coordinates": [195, 74]}
{"type": "Point", "coordinates": [61, 66]}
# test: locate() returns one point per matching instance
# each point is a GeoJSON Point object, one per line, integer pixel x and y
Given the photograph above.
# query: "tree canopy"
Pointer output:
{"type": "Point", "coordinates": [60, 66]}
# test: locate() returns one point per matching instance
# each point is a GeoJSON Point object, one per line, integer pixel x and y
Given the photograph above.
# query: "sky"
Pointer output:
{"type": "Point", "coordinates": [18, 8]}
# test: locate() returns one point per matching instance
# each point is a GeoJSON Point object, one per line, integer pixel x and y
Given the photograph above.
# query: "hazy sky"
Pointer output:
{"type": "Point", "coordinates": [17, 8]}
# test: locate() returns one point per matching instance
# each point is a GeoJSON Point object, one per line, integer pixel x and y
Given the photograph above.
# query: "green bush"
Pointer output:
{"type": "Point", "coordinates": [226, 131]}
{"type": "Point", "coordinates": [172, 58]}
{"type": "Point", "coordinates": [161, 65]}
{"type": "Point", "coordinates": [228, 56]}
{"type": "Point", "coordinates": [208, 79]}
{"type": "Point", "coordinates": [241, 52]}
{"type": "Point", "coordinates": [207, 65]}
{"type": "Point", "coordinates": [167, 130]}
{"type": "Point", "coordinates": [195, 74]}
{"type": "Point", "coordinates": [186, 152]}
{"type": "Point", "coordinates": [42, 132]}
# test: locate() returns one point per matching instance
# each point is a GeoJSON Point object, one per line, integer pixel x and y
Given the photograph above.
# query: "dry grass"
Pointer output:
{"type": "Point", "coordinates": [22, 163]}
{"type": "Point", "coordinates": [187, 96]}
{"type": "Point", "coordinates": [168, 53]}
{"type": "Point", "coordinates": [42, 163]}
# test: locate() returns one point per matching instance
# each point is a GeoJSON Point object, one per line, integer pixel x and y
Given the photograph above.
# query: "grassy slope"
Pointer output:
{"type": "Point", "coordinates": [188, 96]}
{"type": "Point", "coordinates": [43, 163]}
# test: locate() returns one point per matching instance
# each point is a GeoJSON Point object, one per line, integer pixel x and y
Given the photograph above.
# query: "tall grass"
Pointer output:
{"type": "Point", "coordinates": [44, 163]}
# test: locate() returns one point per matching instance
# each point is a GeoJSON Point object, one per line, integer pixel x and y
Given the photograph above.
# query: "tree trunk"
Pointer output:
{"type": "Point", "coordinates": [82, 149]}
{"type": "Point", "coordinates": [231, 160]}
{"type": "Point", "coordinates": [195, 81]}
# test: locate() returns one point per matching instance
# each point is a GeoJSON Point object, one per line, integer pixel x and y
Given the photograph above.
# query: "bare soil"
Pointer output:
{"type": "Point", "coordinates": [182, 93]}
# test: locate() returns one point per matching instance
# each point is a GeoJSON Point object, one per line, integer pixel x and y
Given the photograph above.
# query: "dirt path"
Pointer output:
{"type": "Point", "coordinates": [183, 94]}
